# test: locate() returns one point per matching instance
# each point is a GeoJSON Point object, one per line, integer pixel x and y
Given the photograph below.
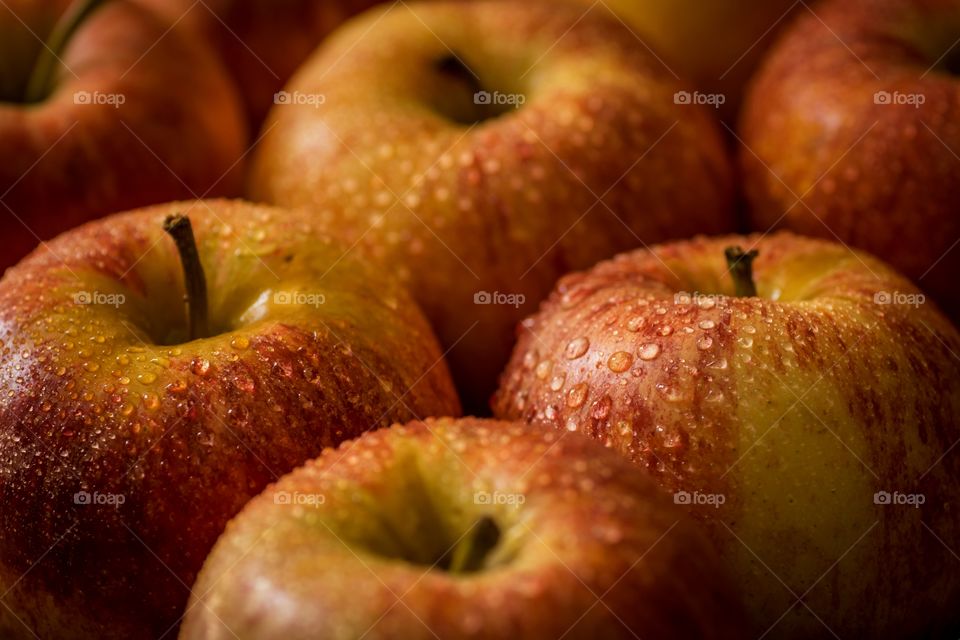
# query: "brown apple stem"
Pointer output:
{"type": "Point", "coordinates": [740, 264]}
{"type": "Point", "coordinates": [41, 78]}
{"type": "Point", "coordinates": [470, 552]}
{"type": "Point", "coordinates": [179, 228]}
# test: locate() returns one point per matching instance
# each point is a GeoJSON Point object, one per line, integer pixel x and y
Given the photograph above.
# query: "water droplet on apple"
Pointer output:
{"type": "Point", "coordinates": [577, 395]}
{"type": "Point", "coordinates": [151, 401]}
{"type": "Point", "coordinates": [602, 409]}
{"type": "Point", "coordinates": [719, 363]}
{"type": "Point", "coordinates": [704, 343]}
{"type": "Point", "coordinates": [543, 369]}
{"type": "Point", "coordinates": [557, 383]}
{"type": "Point", "coordinates": [649, 351]}
{"type": "Point", "coordinates": [576, 348]}
{"type": "Point", "coordinates": [707, 324]}
{"type": "Point", "coordinates": [91, 366]}
{"type": "Point", "coordinates": [146, 378]}
{"type": "Point", "coordinates": [620, 361]}
{"type": "Point", "coordinates": [746, 342]}
{"type": "Point", "coordinates": [200, 366]}
{"type": "Point", "coordinates": [636, 323]}
{"type": "Point", "coordinates": [550, 412]}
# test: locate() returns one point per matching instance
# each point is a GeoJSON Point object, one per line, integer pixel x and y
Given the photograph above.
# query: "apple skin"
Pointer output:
{"type": "Point", "coordinates": [795, 410]}
{"type": "Point", "coordinates": [508, 205]}
{"type": "Point", "coordinates": [717, 44]}
{"type": "Point", "coordinates": [186, 433]}
{"type": "Point", "coordinates": [582, 523]}
{"type": "Point", "coordinates": [821, 157]}
{"type": "Point", "coordinates": [262, 42]}
{"type": "Point", "coordinates": [178, 133]}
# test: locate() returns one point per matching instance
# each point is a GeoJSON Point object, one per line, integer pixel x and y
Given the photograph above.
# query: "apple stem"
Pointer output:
{"type": "Point", "coordinates": [740, 265]}
{"type": "Point", "coordinates": [38, 86]}
{"type": "Point", "coordinates": [180, 229]}
{"type": "Point", "coordinates": [468, 554]}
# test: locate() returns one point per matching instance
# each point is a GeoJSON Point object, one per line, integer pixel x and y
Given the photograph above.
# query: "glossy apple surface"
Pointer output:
{"type": "Point", "coordinates": [138, 113]}
{"type": "Point", "coordinates": [124, 449]}
{"type": "Point", "coordinates": [863, 147]}
{"type": "Point", "coordinates": [401, 136]}
{"type": "Point", "coordinates": [463, 529]}
{"type": "Point", "coordinates": [779, 419]}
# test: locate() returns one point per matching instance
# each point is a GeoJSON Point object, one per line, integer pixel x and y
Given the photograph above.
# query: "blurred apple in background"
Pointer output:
{"type": "Point", "coordinates": [850, 132]}
{"type": "Point", "coordinates": [461, 530]}
{"type": "Point", "coordinates": [810, 425]}
{"type": "Point", "coordinates": [126, 443]}
{"type": "Point", "coordinates": [480, 150]}
{"type": "Point", "coordinates": [127, 114]}
{"type": "Point", "coordinates": [262, 42]}
{"type": "Point", "coordinates": [717, 44]}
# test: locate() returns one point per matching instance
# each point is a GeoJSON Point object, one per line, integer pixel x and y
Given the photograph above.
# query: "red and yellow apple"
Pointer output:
{"type": "Point", "coordinates": [463, 529]}
{"type": "Point", "coordinates": [849, 133]}
{"type": "Point", "coordinates": [127, 444]}
{"type": "Point", "coordinates": [117, 113]}
{"type": "Point", "coordinates": [480, 173]}
{"type": "Point", "coordinates": [809, 423]}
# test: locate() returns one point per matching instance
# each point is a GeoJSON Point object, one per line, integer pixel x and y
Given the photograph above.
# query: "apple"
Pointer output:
{"type": "Point", "coordinates": [462, 529]}
{"type": "Point", "coordinates": [129, 436]}
{"type": "Point", "coordinates": [262, 42]}
{"type": "Point", "coordinates": [718, 44]}
{"type": "Point", "coordinates": [849, 133]}
{"type": "Point", "coordinates": [808, 419]}
{"type": "Point", "coordinates": [114, 110]}
{"type": "Point", "coordinates": [479, 173]}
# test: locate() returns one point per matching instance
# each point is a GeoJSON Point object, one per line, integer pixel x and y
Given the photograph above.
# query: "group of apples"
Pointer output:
{"type": "Point", "coordinates": [227, 418]}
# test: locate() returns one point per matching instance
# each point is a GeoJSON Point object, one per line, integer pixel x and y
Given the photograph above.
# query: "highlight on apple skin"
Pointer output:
{"type": "Point", "coordinates": [463, 529]}
{"type": "Point", "coordinates": [130, 112]}
{"type": "Point", "coordinates": [480, 175]}
{"type": "Point", "coordinates": [863, 147]}
{"type": "Point", "coordinates": [808, 427]}
{"type": "Point", "coordinates": [125, 447]}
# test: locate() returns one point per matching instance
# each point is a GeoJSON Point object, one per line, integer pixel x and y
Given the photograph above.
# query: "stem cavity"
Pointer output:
{"type": "Point", "coordinates": [740, 265]}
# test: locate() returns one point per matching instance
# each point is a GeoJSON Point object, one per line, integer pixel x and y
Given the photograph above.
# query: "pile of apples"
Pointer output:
{"type": "Point", "coordinates": [681, 264]}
